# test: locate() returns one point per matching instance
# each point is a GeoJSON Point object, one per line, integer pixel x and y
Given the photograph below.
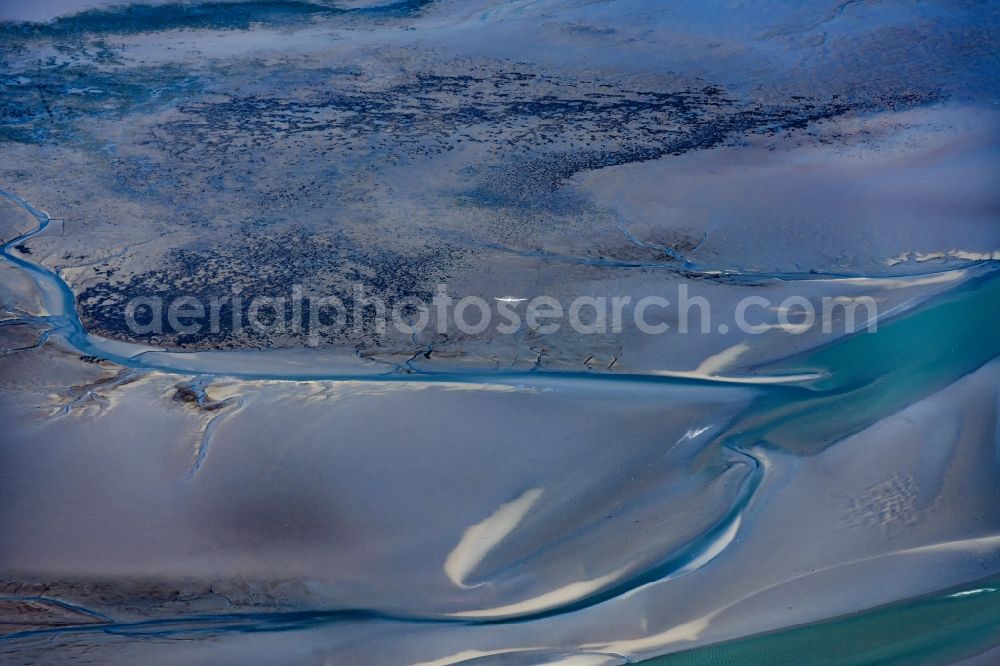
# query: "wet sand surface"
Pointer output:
{"type": "Point", "coordinates": [721, 496]}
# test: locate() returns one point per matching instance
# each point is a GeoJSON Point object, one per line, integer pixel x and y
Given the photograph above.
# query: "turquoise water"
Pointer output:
{"type": "Point", "coordinates": [936, 629]}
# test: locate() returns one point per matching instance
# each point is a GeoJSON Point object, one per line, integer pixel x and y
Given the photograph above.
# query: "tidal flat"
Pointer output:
{"type": "Point", "coordinates": [499, 332]}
